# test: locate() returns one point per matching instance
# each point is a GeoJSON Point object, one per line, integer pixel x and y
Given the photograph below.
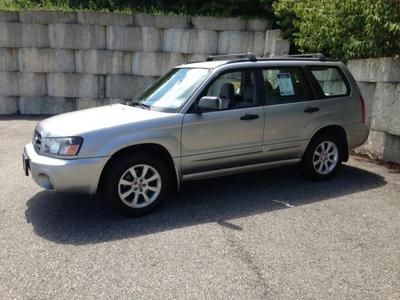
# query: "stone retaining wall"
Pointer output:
{"type": "Point", "coordinates": [379, 80]}
{"type": "Point", "coordinates": [53, 62]}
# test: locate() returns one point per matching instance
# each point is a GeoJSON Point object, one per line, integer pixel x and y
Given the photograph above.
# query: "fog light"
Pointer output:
{"type": "Point", "coordinates": [44, 182]}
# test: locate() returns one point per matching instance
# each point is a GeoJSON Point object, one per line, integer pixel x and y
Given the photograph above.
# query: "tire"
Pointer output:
{"type": "Point", "coordinates": [136, 184]}
{"type": "Point", "coordinates": [323, 157]}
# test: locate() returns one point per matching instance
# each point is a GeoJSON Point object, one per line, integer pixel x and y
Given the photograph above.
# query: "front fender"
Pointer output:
{"type": "Point", "coordinates": [108, 141]}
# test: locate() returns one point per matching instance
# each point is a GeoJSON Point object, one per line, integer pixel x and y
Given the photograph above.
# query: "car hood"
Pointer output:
{"type": "Point", "coordinates": [94, 119]}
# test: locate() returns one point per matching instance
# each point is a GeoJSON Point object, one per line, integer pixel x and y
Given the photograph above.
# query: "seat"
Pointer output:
{"type": "Point", "coordinates": [271, 94]}
{"type": "Point", "coordinates": [248, 97]}
{"type": "Point", "coordinates": [267, 86]}
{"type": "Point", "coordinates": [226, 95]}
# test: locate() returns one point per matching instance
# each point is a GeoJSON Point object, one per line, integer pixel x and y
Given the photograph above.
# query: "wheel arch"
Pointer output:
{"type": "Point", "coordinates": [148, 148]}
{"type": "Point", "coordinates": [336, 131]}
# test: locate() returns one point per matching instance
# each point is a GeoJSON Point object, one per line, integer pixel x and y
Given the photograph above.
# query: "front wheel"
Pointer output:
{"type": "Point", "coordinates": [322, 158]}
{"type": "Point", "coordinates": [137, 184]}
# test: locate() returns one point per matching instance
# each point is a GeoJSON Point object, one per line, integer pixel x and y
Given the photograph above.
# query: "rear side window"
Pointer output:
{"type": "Point", "coordinates": [331, 81]}
{"type": "Point", "coordinates": [285, 85]}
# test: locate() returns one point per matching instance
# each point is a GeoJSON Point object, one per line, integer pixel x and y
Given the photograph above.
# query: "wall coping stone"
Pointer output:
{"type": "Point", "coordinates": [218, 24]}
{"type": "Point", "coordinates": [9, 16]}
{"type": "Point", "coordinates": [162, 21]}
{"type": "Point", "coordinates": [105, 18]}
{"type": "Point", "coordinates": [258, 25]}
{"type": "Point", "coordinates": [46, 16]}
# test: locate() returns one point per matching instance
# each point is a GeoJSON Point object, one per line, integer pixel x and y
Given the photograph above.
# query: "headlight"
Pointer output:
{"type": "Point", "coordinates": [68, 146]}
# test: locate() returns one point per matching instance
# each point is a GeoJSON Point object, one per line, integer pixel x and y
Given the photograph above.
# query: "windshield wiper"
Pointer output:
{"type": "Point", "coordinates": [144, 106]}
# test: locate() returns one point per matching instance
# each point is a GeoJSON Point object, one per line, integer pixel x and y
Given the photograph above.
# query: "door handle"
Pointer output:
{"type": "Point", "coordinates": [247, 117]}
{"type": "Point", "coordinates": [311, 110]}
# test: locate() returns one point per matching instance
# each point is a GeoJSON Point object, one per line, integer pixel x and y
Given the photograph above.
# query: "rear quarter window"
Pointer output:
{"type": "Point", "coordinates": [331, 81]}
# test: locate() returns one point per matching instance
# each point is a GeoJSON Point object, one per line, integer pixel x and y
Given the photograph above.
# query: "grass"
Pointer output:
{"type": "Point", "coordinates": [110, 6]}
{"type": "Point", "coordinates": [15, 5]}
{"type": "Point", "coordinates": [63, 5]}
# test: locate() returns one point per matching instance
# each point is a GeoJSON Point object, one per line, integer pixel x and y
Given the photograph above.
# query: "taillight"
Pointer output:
{"type": "Point", "coordinates": [363, 110]}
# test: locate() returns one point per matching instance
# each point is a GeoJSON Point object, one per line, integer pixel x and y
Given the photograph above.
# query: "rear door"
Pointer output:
{"type": "Point", "coordinates": [290, 108]}
{"type": "Point", "coordinates": [299, 101]}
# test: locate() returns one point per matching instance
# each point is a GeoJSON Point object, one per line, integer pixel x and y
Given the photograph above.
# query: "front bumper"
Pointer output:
{"type": "Point", "coordinates": [68, 175]}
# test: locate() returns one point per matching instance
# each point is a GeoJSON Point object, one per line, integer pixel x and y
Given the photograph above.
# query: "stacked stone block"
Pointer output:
{"type": "Point", "coordinates": [379, 81]}
{"type": "Point", "coordinates": [54, 62]}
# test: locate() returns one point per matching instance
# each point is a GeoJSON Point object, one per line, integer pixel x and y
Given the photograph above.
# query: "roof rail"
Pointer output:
{"type": "Point", "coordinates": [318, 56]}
{"type": "Point", "coordinates": [246, 57]}
{"type": "Point", "coordinates": [249, 56]}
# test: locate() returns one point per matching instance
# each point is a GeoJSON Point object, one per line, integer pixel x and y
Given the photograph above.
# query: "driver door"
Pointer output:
{"type": "Point", "coordinates": [230, 136]}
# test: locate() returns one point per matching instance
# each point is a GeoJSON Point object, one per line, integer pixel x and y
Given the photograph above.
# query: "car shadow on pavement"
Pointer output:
{"type": "Point", "coordinates": [80, 219]}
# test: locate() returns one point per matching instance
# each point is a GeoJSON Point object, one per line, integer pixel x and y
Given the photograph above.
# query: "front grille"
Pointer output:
{"type": "Point", "coordinates": [37, 141]}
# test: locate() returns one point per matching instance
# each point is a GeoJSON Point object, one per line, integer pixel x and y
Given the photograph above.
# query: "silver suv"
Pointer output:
{"type": "Point", "coordinates": [226, 115]}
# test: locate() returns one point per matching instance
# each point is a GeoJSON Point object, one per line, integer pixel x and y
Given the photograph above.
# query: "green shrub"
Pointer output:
{"type": "Point", "coordinates": [236, 8]}
{"type": "Point", "coordinates": [343, 29]}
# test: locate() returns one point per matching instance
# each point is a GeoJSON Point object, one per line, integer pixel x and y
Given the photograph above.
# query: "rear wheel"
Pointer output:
{"type": "Point", "coordinates": [322, 157]}
{"type": "Point", "coordinates": [137, 183]}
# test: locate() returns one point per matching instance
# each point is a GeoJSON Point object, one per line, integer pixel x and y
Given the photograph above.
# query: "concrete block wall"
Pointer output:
{"type": "Point", "coordinates": [379, 81]}
{"type": "Point", "coordinates": [54, 62]}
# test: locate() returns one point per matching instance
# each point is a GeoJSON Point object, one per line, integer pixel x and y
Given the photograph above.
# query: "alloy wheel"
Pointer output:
{"type": "Point", "coordinates": [139, 186]}
{"type": "Point", "coordinates": [325, 157]}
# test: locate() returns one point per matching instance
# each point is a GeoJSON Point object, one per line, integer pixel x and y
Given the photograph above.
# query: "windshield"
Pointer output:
{"type": "Point", "coordinates": [172, 90]}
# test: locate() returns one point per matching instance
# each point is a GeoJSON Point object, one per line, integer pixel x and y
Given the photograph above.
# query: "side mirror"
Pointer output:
{"type": "Point", "coordinates": [208, 103]}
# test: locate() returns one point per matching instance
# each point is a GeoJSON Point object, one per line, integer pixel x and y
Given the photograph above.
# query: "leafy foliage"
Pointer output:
{"type": "Point", "coordinates": [342, 28]}
{"type": "Point", "coordinates": [242, 8]}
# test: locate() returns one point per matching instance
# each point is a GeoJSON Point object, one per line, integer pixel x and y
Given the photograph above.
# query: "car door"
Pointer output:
{"type": "Point", "coordinates": [228, 137]}
{"type": "Point", "coordinates": [290, 108]}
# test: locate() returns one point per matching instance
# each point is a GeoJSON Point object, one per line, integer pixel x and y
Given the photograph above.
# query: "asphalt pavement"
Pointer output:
{"type": "Point", "coordinates": [264, 235]}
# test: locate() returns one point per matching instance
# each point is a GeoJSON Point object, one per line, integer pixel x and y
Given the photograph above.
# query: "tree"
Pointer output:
{"type": "Point", "coordinates": [343, 29]}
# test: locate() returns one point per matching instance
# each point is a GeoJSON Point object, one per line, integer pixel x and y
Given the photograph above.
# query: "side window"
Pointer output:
{"type": "Point", "coordinates": [331, 81]}
{"type": "Point", "coordinates": [284, 85]}
{"type": "Point", "coordinates": [234, 78]}
{"type": "Point", "coordinates": [235, 89]}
